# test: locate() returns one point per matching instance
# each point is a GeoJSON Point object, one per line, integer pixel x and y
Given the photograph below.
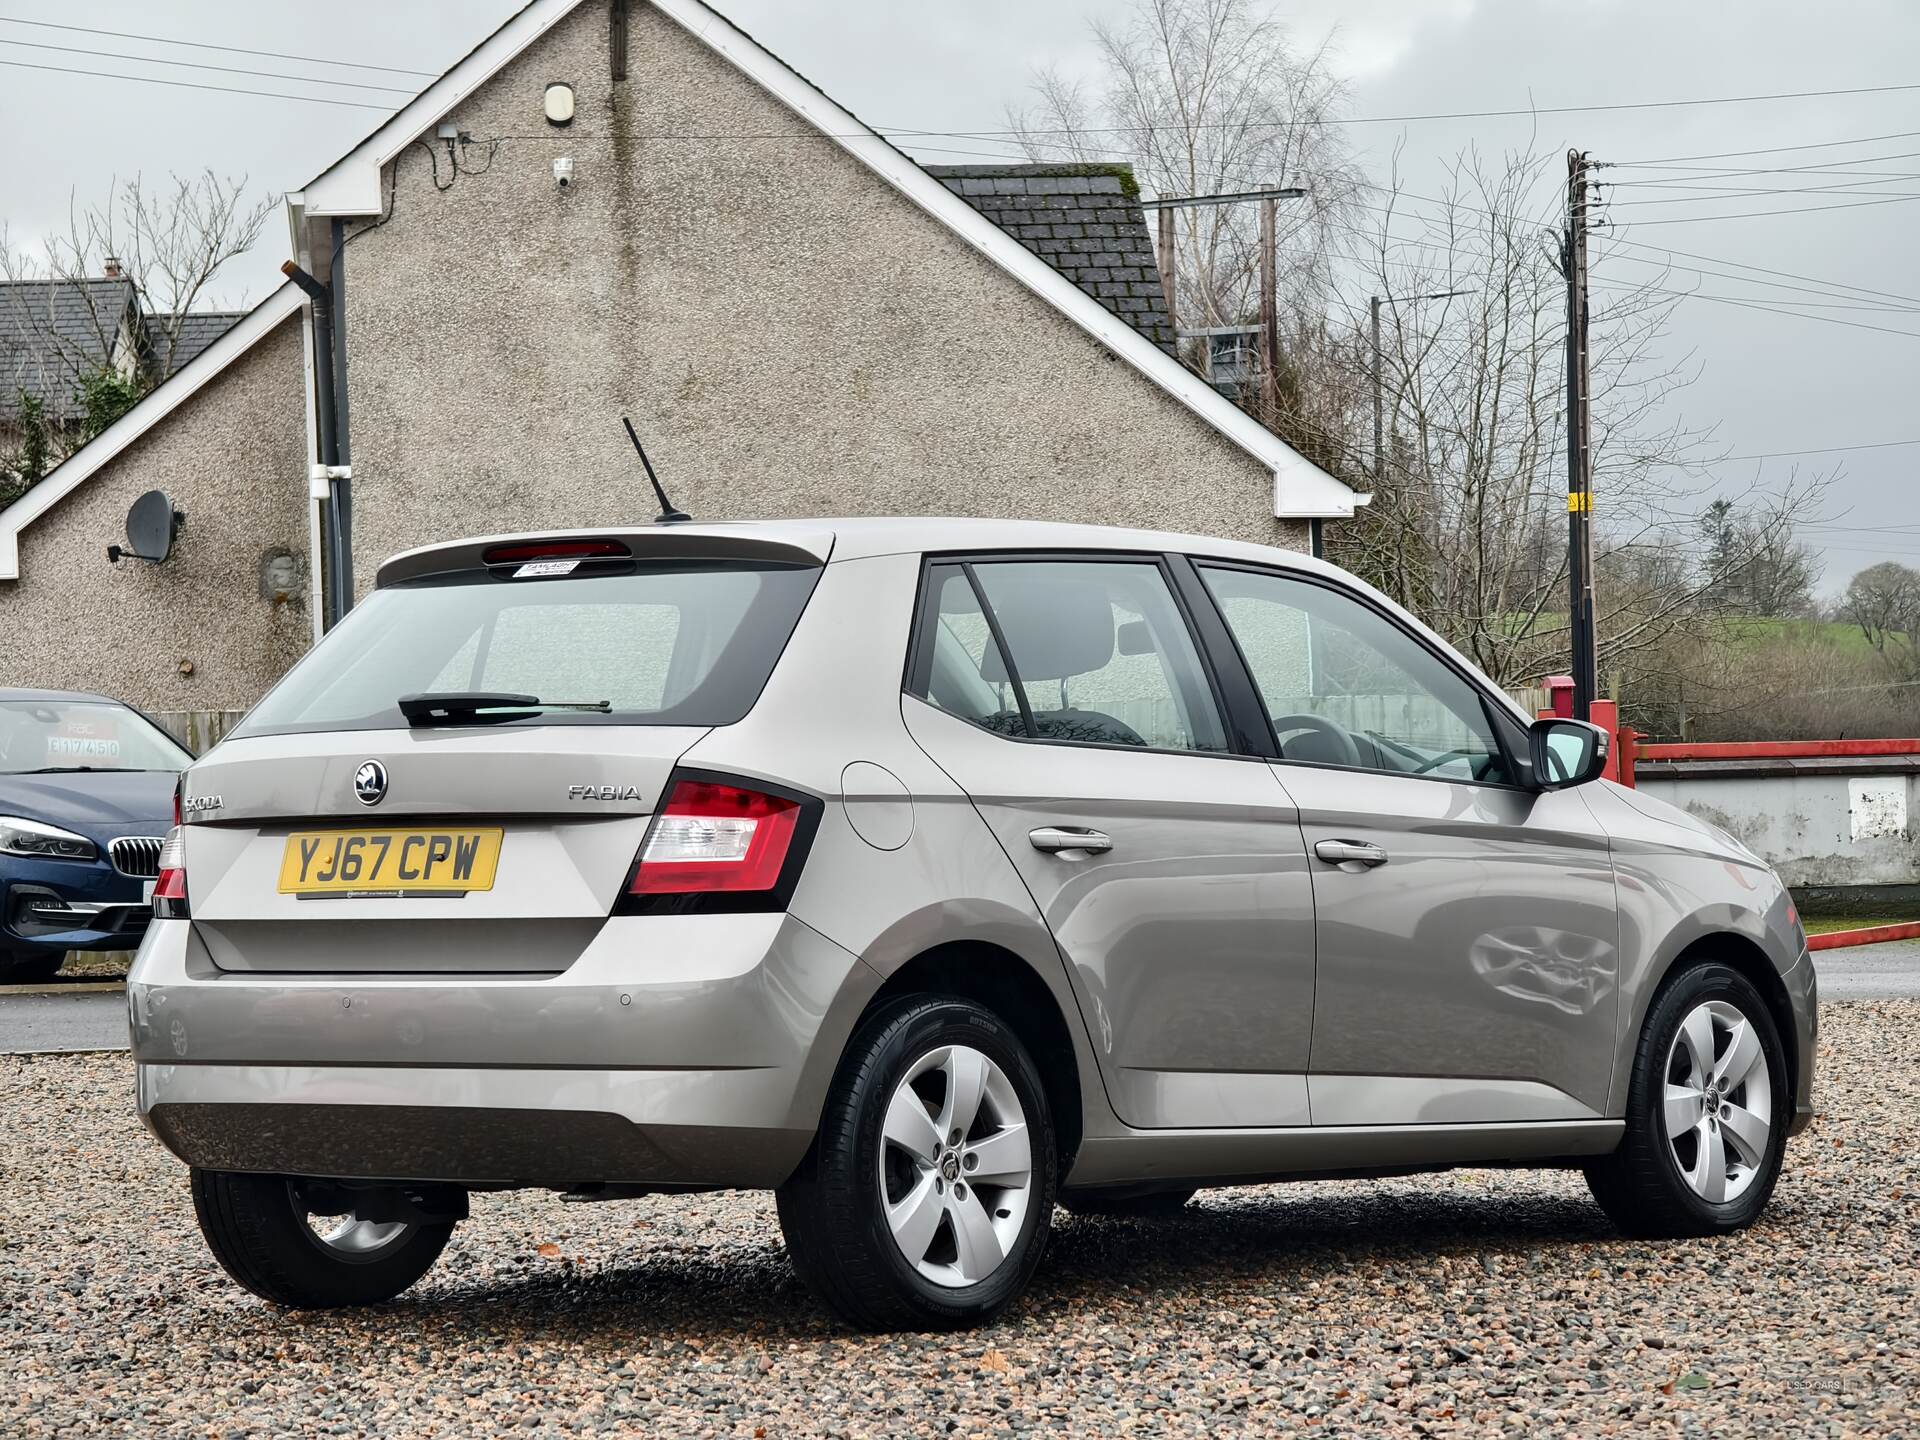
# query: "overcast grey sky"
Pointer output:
{"type": "Point", "coordinates": [1769, 382]}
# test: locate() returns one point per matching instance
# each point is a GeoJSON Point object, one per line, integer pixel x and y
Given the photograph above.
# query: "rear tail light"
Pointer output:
{"type": "Point", "coordinates": [710, 837]}
{"type": "Point", "coordinates": [722, 844]}
{"type": "Point", "coordinates": [170, 890]}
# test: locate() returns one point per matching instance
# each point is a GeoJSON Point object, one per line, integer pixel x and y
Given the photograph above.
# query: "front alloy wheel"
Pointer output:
{"type": "Point", "coordinates": [1718, 1102]}
{"type": "Point", "coordinates": [1706, 1106]}
{"type": "Point", "coordinates": [926, 1199]}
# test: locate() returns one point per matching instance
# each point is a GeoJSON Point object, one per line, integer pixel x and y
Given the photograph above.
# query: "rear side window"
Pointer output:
{"type": "Point", "coordinates": [661, 645]}
{"type": "Point", "coordinates": [1100, 654]}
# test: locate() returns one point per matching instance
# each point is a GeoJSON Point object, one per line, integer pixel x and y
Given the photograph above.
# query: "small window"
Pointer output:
{"type": "Point", "coordinates": [1101, 655]}
{"type": "Point", "coordinates": [1345, 685]}
{"type": "Point", "coordinates": [962, 655]}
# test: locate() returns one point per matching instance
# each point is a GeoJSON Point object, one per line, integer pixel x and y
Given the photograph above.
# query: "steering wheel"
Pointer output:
{"type": "Point", "coordinates": [1349, 752]}
{"type": "Point", "coordinates": [1437, 761]}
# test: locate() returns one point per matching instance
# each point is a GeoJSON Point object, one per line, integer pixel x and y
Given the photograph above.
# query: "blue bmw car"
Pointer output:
{"type": "Point", "coordinates": [86, 798]}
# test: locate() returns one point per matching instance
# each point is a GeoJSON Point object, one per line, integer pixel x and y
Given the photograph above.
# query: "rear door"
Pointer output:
{"type": "Point", "coordinates": [332, 833]}
{"type": "Point", "coordinates": [1467, 930]}
{"type": "Point", "coordinates": [1069, 697]}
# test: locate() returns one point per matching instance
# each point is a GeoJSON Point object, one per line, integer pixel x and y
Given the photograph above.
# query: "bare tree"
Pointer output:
{"type": "Point", "coordinates": [1767, 571]}
{"type": "Point", "coordinates": [1884, 601]}
{"type": "Point", "coordinates": [1201, 97]}
{"type": "Point", "coordinates": [1468, 521]}
{"type": "Point", "coordinates": [87, 354]}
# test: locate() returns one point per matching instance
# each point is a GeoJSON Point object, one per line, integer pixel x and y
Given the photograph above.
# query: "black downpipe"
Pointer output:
{"type": "Point", "coordinates": [343, 492]}
{"type": "Point", "coordinates": [325, 417]}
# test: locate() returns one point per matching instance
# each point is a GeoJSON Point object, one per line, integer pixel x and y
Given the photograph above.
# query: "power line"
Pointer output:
{"type": "Point", "coordinates": [1444, 115]}
{"type": "Point", "coordinates": [1772, 149]}
{"type": "Point", "coordinates": [1759, 269]}
{"type": "Point", "coordinates": [203, 65]}
{"type": "Point", "coordinates": [1704, 272]}
{"type": "Point", "coordinates": [190, 85]}
{"type": "Point", "coordinates": [1796, 305]}
{"type": "Point", "coordinates": [1741, 192]}
{"type": "Point", "coordinates": [1793, 314]}
{"type": "Point", "coordinates": [1817, 450]}
{"type": "Point", "coordinates": [1789, 210]}
{"type": "Point", "coordinates": [1635, 244]}
{"type": "Point", "coordinates": [1726, 172]}
{"type": "Point", "coordinates": [230, 49]}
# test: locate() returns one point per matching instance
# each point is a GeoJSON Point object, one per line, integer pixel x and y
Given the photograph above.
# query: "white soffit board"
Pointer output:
{"type": "Point", "coordinates": [154, 407]}
{"type": "Point", "coordinates": [351, 185]}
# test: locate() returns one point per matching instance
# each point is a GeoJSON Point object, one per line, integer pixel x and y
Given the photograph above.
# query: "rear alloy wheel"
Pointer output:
{"type": "Point", "coordinates": [266, 1235]}
{"type": "Point", "coordinates": [1706, 1112]}
{"type": "Point", "coordinates": [926, 1200]}
{"type": "Point", "coordinates": [29, 967]}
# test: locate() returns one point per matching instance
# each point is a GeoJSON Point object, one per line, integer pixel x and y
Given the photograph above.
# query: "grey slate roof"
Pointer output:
{"type": "Point", "coordinates": [1085, 221]}
{"type": "Point", "coordinates": [198, 330]}
{"type": "Point", "coordinates": [53, 330]}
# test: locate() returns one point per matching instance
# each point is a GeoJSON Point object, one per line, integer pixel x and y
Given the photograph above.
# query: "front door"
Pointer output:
{"type": "Point", "coordinates": [1171, 871]}
{"type": "Point", "coordinates": [1467, 935]}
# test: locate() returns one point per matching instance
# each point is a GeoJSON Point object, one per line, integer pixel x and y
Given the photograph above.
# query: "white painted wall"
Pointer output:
{"type": "Point", "coordinates": [1815, 828]}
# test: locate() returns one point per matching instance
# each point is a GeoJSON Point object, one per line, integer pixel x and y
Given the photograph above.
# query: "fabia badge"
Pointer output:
{"type": "Point", "coordinates": [370, 782]}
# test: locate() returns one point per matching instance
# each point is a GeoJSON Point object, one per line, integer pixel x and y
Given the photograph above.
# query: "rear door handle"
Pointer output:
{"type": "Point", "coordinates": [1055, 838]}
{"type": "Point", "coordinates": [1349, 852]}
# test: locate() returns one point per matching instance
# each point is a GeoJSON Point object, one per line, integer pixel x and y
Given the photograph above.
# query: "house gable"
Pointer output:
{"type": "Point", "coordinates": [353, 187]}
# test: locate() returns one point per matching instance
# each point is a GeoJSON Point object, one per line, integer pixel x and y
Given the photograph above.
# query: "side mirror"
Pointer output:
{"type": "Point", "coordinates": [1566, 752]}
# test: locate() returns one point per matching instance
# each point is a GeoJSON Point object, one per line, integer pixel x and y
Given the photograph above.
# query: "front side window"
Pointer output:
{"type": "Point", "coordinates": [1345, 685]}
{"type": "Point", "coordinates": [1100, 655]}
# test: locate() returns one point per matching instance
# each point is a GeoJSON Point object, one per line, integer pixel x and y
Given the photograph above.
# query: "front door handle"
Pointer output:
{"type": "Point", "coordinates": [1055, 838]}
{"type": "Point", "coordinates": [1349, 852]}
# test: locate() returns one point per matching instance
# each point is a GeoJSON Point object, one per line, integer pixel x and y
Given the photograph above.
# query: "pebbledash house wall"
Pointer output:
{"type": "Point", "coordinates": [233, 458]}
{"type": "Point", "coordinates": [790, 336]}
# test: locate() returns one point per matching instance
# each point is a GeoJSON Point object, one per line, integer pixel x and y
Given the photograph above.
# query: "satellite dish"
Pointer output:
{"type": "Point", "coordinates": [152, 524]}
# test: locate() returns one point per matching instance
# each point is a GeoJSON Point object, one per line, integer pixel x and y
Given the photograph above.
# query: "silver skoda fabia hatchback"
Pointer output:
{"type": "Point", "coordinates": [930, 873]}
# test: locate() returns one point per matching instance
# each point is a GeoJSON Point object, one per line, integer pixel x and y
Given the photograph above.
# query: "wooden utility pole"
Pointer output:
{"type": "Point", "coordinates": [1379, 412]}
{"type": "Point", "coordinates": [1269, 308]}
{"type": "Point", "coordinates": [1579, 446]}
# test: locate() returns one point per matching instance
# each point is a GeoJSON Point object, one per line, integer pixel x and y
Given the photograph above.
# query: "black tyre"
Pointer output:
{"type": "Point", "coordinates": [927, 1197]}
{"type": "Point", "coordinates": [1707, 1112]}
{"type": "Point", "coordinates": [1156, 1205]}
{"type": "Point", "coordinates": [259, 1230]}
{"type": "Point", "coordinates": [29, 967]}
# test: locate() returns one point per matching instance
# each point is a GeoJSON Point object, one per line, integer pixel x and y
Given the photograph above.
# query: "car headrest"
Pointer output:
{"type": "Point", "coordinates": [1056, 631]}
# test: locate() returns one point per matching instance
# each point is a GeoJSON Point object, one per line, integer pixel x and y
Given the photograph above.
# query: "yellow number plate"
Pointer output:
{"type": "Point", "coordinates": [403, 862]}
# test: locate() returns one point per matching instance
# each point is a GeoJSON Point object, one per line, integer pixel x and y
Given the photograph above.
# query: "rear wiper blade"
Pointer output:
{"type": "Point", "coordinates": [454, 706]}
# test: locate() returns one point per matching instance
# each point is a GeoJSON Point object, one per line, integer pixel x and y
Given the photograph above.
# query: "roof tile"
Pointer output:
{"type": "Point", "coordinates": [1083, 221]}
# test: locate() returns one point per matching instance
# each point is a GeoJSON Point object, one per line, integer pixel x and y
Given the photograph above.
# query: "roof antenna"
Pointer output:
{"type": "Point", "coordinates": [668, 515]}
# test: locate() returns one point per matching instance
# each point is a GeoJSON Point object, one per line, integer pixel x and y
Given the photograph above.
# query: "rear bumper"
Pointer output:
{"type": "Point", "coordinates": [679, 1051]}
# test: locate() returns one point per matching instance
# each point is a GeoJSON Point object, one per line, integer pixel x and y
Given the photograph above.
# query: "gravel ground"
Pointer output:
{"type": "Point", "coordinates": [1477, 1302]}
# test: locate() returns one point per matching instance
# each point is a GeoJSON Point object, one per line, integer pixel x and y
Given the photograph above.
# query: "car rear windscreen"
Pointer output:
{"type": "Point", "coordinates": [659, 644]}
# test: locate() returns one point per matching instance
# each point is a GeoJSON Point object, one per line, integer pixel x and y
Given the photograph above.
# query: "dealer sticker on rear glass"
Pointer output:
{"type": "Point", "coordinates": [545, 567]}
